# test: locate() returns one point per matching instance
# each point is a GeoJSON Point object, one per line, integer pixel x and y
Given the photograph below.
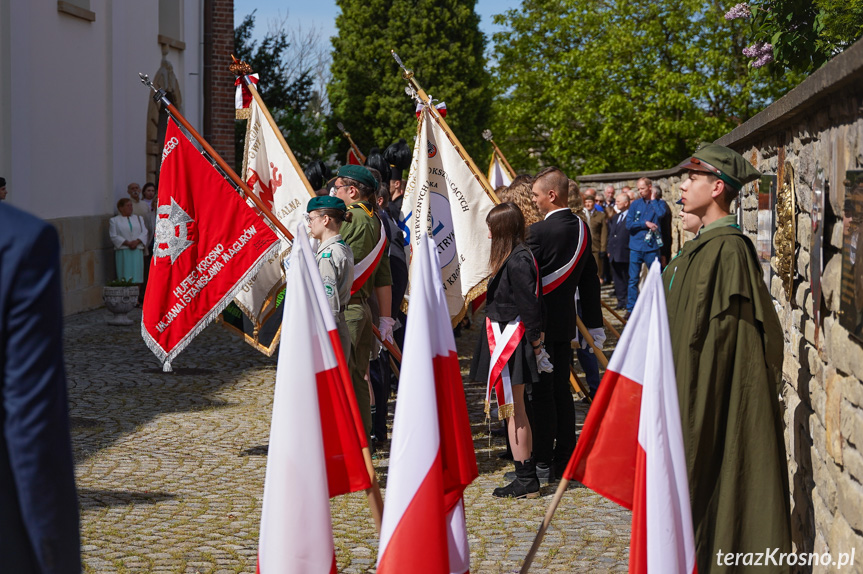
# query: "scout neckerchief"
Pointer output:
{"type": "Point", "coordinates": [502, 344]}
{"type": "Point", "coordinates": [364, 268]}
{"type": "Point", "coordinates": [554, 279]}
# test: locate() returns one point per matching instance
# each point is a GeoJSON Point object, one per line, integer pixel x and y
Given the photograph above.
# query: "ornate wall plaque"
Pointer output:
{"type": "Point", "coordinates": [766, 223]}
{"type": "Point", "coordinates": [816, 250]}
{"type": "Point", "coordinates": [851, 304]}
{"type": "Point", "coordinates": [785, 238]}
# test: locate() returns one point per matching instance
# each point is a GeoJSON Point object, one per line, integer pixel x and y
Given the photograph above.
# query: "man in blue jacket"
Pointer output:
{"type": "Point", "coordinates": [642, 221]}
{"type": "Point", "coordinates": [38, 502]}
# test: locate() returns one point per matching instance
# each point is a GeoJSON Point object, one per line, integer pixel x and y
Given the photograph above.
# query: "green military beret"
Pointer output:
{"type": "Point", "coordinates": [360, 174]}
{"type": "Point", "coordinates": [725, 163]}
{"type": "Point", "coordinates": [326, 202]}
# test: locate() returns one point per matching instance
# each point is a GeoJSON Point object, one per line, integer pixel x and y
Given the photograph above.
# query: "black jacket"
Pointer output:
{"type": "Point", "coordinates": [618, 238]}
{"type": "Point", "coordinates": [553, 242]}
{"type": "Point", "coordinates": [512, 293]}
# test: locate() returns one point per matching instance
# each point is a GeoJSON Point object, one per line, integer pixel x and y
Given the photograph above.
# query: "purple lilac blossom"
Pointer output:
{"type": "Point", "coordinates": [739, 11]}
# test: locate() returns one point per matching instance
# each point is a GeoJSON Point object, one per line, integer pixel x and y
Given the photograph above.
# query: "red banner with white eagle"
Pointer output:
{"type": "Point", "coordinates": [208, 244]}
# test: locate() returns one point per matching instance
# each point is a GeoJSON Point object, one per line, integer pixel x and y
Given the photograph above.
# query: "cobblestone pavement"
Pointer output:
{"type": "Point", "coordinates": [170, 467]}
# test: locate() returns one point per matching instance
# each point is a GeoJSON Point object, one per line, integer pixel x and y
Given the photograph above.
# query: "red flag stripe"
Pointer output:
{"type": "Point", "coordinates": [419, 541]}
{"type": "Point", "coordinates": [604, 457]}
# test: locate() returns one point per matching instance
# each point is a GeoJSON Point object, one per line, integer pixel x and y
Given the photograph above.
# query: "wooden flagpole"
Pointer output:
{"type": "Point", "coordinates": [243, 70]}
{"type": "Point", "coordinates": [610, 327]}
{"type": "Point", "coordinates": [615, 313]}
{"type": "Point", "coordinates": [354, 147]}
{"type": "Point", "coordinates": [486, 134]}
{"type": "Point", "coordinates": [374, 493]}
{"type": "Point", "coordinates": [546, 521]}
{"type": "Point", "coordinates": [587, 337]}
{"type": "Point", "coordinates": [160, 97]}
{"type": "Point", "coordinates": [435, 114]}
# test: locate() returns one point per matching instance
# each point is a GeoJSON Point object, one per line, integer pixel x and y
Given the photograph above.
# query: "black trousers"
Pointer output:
{"type": "Point", "coordinates": [552, 411]}
{"type": "Point", "coordinates": [381, 378]}
{"type": "Point", "coordinates": [620, 276]}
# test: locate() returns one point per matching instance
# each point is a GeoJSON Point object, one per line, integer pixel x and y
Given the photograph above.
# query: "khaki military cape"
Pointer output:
{"type": "Point", "coordinates": [727, 345]}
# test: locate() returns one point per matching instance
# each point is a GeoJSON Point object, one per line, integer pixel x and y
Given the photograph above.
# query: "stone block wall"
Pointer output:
{"type": "Point", "coordinates": [86, 260]}
{"type": "Point", "coordinates": [818, 126]}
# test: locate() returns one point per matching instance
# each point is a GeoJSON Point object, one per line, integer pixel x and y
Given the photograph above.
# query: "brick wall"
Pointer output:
{"type": "Point", "coordinates": [222, 102]}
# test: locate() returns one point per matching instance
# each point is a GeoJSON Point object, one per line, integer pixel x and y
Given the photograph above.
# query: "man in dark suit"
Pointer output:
{"type": "Point", "coordinates": [38, 502]}
{"type": "Point", "coordinates": [562, 248]}
{"type": "Point", "coordinates": [618, 249]}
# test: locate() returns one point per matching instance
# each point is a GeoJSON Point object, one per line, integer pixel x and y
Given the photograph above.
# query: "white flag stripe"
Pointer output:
{"type": "Point", "coordinates": [670, 538]}
{"type": "Point", "coordinates": [459, 550]}
{"type": "Point", "coordinates": [498, 175]}
{"type": "Point", "coordinates": [325, 321]}
{"type": "Point", "coordinates": [296, 528]}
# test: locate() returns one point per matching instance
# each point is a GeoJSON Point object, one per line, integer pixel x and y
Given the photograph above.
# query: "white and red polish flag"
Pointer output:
{"type": "Point", "coordinates": [316, 434]}
{"type": "Point", "coordinates": [432, 458]}
{"type": "Point", "coordinates": [208, 244]}
{"type": "Point", "coordinates": [631, 446]}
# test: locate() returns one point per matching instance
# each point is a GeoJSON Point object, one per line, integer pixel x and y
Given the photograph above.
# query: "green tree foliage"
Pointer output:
{"type": "Point", "coordinates": [620, 85]}
{"type": "Point", "coordinates": [438, 39]}
{"type": "Point", "coordinates": [802, 35]}
{"type": "Point", "coordinates": [287, 91]}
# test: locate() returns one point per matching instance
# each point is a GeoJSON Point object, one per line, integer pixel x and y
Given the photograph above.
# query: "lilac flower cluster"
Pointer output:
{"type": "Point", "coordinates": [740, 11]}
{"type": "Point", "coordinates": [763, 53]}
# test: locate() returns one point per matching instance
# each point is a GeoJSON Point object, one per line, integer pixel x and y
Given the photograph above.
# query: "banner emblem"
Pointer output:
{"type": "Point", "coordinates": [432, 149]}
{"type": "Point", "coordinates": [171, 231]}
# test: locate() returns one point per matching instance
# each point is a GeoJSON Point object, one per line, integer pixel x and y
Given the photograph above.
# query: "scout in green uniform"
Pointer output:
{"type": "Point", "coordinates": [335, 259]}
{"type": "Point", "coordinates": [727, 344]}
{"type": "Point", "coordinates": [356, 186]}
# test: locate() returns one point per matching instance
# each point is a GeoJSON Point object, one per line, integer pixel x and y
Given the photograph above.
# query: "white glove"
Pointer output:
{"type": "Point", "coordinates": [386, 328]}
{"type": "Point", "coordinates": [598, 335]}
{"type": "Point", "coordinates": [543, 362]}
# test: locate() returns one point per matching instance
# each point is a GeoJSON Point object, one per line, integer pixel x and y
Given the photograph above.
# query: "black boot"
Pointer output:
{"type": "Point", "coordinates": [525, 485]}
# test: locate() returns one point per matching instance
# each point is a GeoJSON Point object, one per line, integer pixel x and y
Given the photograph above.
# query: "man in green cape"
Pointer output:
{"type": "Point", "coordinates": [727, 345]}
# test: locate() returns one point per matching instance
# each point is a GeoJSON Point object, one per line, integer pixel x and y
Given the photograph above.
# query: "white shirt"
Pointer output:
{"type": "Point", "coordinates": [122, 229]}
{"type": "Point", "coordinates": [554, 211]}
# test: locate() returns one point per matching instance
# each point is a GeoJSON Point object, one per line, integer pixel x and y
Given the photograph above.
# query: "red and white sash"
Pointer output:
{"type": "Point", "coordinates": [551, 281]}
{"type": "Point", "coordinates": [501, 345]}
{"type": "Point", "coordinates": [363, 269]}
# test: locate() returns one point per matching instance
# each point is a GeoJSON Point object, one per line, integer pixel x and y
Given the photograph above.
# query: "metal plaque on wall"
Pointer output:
{"type": "Point", "coordinates": [766, 223]}
{"type": "Point", "coordinates": [816, 249]}
{"type": "Point", "coordinates": [851, 304]}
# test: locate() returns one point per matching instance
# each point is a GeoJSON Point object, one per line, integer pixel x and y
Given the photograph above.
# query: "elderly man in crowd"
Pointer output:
{"type": "Point", "coordinates": [598, 231]}
{"type": "Point", "coordinates": [618, 249]}
{"type": "Point", "coordinates": [645, 237]}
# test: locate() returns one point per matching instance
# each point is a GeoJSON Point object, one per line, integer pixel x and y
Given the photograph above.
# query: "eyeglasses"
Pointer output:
{"type": "Point", "coordinates": [334, 189]}
{"type": "Point", "coordinates": [309, 218]}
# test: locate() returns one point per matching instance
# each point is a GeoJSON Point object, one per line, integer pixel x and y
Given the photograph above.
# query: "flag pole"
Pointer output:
{"type": "Point", "coordinates": [486, 134]}
{"type": "Point", "coordinates": [615, 313]}
{"type": "Point", "coordinates": [610, 327]}
{"type": "Point", "coordinates": [376, 501]}
{"type": "Point", "coordinates": [243, 70]}
{"type": "Point", "coordinates": [160, 97]}
{"type": "Point", "coordinates": [552, 508]}
{"type": "Point", "coordinates": [421, 94]}
{"type": "Point", "coordinates": [354, 147]}
{"type": "Point", "coordinates": [587, 337]}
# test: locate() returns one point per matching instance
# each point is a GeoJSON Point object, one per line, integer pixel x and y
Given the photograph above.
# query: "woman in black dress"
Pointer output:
{"type": "Point", "coordinates": [510, 349]}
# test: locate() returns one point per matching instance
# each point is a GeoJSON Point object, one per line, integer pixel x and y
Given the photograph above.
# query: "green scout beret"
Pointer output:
{"type": "Point", "coordinates": [725, 163]}
{"type": "Point", "coordinates": [360, 174]}
{"type": "Point", "coordinates": [325, 202]}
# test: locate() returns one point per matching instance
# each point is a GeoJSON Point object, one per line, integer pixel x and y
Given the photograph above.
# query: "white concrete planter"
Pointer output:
{"type": "Point", "coordinates": [119, 301]}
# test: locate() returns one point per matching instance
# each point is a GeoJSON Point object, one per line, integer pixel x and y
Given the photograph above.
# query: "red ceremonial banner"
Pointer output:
{"type": "Point", "coordinates": [208, 244]}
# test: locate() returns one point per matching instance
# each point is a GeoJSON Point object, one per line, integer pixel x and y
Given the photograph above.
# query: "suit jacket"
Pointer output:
{"type": "Point", "coordinates": [38, 501]}
{"type": "Point", "coordinates": [512, 293]}
{"type": "Point", "coordinates": [639, 213]}
{"type": "Point", "coordinates": [553, 242]}
{"type": "Point", "coordinates": [618, 238]}
{"type": "Point", "coordinates": [598, 230]}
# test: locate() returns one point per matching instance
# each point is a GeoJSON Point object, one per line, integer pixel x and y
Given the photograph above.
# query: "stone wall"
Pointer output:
{"type": "Point", "coordinates": [86, 260]}
{"type": "Point", "coordinates": [817, 127]}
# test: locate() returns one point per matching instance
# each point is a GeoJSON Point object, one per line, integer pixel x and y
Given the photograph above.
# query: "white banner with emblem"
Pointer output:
{"type": "Point", "coordinates": [447, 199]}
{"type": "Point", "coordinates": [274, 178]}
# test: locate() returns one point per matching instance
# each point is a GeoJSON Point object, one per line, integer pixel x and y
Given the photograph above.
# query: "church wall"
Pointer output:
{"type": "Point", "coordinates": [73, 116]}
{"type": "Point", "coordinates": [812, 136]}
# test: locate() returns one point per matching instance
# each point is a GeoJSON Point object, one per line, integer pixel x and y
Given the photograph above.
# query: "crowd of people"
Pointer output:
{"type": "Point", "coordinates": [132, 233]}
